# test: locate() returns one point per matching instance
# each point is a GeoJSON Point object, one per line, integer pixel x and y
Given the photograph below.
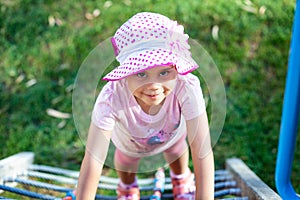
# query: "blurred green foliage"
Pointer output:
{"type": "Point", "coordinates": [43, 43]}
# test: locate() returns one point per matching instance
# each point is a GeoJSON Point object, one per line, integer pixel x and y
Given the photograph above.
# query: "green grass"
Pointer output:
{"type": "Point", "coordinates": [251, 53]}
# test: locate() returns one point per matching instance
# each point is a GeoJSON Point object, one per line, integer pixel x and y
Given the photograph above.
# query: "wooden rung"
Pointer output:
{"type": "Point", "coordinates": [251, 185]}
{"type": "Point", "coordinates": [15, 164]}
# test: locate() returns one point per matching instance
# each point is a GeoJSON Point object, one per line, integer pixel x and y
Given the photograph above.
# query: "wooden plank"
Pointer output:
{"type": "Point", "coordinates": [15, 164]}
{"type": "Point", "coordinates": [251, 185]}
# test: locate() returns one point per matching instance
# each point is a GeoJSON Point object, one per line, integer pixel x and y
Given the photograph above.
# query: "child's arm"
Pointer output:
{"type": "Point", "coordinates": [91, 167]}
{"type": "Point", "coordinates": [202, 155]}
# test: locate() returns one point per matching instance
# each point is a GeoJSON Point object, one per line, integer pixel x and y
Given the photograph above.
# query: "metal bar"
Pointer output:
{"type": "Point", "coordinates": [290, 114]}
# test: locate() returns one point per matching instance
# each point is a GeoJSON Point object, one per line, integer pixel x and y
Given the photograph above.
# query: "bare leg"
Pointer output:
{"type": "Point", "coordinates": [126, 177]}
{"type": "Point", "coordinates": [126, 167]}
{"type": "Point", "coordinates": [179, 165]}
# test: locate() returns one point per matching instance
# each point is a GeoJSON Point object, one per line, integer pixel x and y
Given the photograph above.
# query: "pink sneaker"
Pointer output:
{"type": "Point", "coordinates": [129, 193]}
{"type": "Point", "coordinates": [184, 189]}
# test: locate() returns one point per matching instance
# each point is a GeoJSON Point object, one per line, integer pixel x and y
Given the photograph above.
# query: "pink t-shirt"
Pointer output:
{"type": "Point", "coordinates": [139, 134]}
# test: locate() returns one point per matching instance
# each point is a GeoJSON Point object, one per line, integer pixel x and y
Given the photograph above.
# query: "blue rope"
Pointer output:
{"type": "Point", "coordinates": [224, 184]}
{"type": "Point", "coordinates": [39, 184]}
{"type": "Point", "coordinates": [27, 193]}
{"type": "Point", "coordinates": [221, 193]}
{"type": "Point", "coordinates": [230, 191]}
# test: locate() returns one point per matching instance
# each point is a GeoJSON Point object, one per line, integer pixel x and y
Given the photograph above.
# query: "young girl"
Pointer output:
{"type": "Point", "coordinates": [150, 105]}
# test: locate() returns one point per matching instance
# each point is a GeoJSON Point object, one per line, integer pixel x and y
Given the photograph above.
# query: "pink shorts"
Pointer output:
{"type": "Point", "coordinates": [176, 150]}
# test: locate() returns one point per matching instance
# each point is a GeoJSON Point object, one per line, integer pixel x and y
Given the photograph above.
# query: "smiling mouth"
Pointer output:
{"type": "Point", "coordinates": [152, 96]}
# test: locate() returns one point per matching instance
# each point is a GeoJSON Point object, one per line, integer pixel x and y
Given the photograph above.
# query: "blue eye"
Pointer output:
{"type": "Point", "coordinates": [141, 75]}
{"type": "Point", "coordinates": [164, 73]}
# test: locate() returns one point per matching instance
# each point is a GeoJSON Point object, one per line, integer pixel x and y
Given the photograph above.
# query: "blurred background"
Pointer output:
{"type": "Point", "coordinates": [43, 43]}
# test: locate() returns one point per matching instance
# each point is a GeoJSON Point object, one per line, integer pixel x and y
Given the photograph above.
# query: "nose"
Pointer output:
{"type": "Point", "coordinates": [153, 86]}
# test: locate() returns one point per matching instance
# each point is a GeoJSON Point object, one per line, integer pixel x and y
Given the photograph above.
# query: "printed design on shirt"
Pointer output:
{"type": "Point", "coordinates": [154, 140]}
{"type": "Point", "coordinates": [155, 137]}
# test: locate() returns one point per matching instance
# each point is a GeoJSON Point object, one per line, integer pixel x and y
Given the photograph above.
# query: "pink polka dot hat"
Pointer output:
{"type": "Point", "coordinates": [148, 40]}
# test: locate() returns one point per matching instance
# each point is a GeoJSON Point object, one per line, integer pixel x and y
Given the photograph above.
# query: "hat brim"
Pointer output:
{"type": "Point", "coordinates": [147, 59]}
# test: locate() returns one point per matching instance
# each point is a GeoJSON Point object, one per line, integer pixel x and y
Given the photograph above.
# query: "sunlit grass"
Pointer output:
{"type": "Point", "coordinates": [43, 44]}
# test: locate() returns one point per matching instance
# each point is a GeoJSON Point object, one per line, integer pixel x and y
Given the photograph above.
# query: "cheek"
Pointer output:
{"type": "Point", "coordinates": [170, 85]}
{"type": "Point", "coordinates": [137, 92]}
{"type": "Point", "coordinates": [134, 86]}
{"type": "Point", "coordinates": [131, 84]}
{"type": "Point", "coordinates": [168, 88]}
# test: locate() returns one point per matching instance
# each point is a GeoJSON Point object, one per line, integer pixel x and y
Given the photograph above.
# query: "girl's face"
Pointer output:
{"type": "Point", "coordinates": [151, 86]}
